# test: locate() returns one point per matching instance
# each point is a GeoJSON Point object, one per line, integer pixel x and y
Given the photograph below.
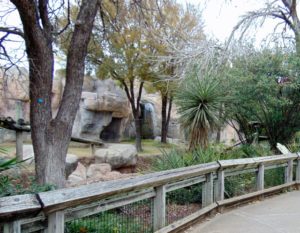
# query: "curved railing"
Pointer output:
{"type": "Point", "coordinates": [48, 211]}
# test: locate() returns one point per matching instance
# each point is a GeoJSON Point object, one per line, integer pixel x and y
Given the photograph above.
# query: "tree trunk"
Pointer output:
{"type": "Point", "coordinates": [51, 137]}
{"type": "Point", "coordinates": [165, 116]}
{"type": "Point", "coordinates": [138, 134]}
{"type": "Point", "coordinates": [135, 107]}
{"type": "Point", "coordinates": [164, 127]}
{"type": "Point", "coordinates": [297, 35]}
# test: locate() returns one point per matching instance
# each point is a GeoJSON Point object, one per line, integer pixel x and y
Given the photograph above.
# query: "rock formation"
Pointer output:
{"type": "Point", "coordinates": [104, 111]}
{"type": "Point", "coordinates": [117, 155]}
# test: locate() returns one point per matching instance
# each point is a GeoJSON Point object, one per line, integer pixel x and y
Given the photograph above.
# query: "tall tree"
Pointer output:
{"type": "Point", "coordinates": [51, 135]}
{"type": "Point", "coordinates": [124, 54]}
{"type": "Point", "coordinates": [172, 26]}
{"type": "Point", "coordinates": [265, 89]}
{"type": "Point", "coordinates": [284, 11]}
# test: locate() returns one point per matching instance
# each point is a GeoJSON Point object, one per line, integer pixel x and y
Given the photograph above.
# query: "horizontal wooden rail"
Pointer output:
{"type": "Point", "coordinates": [62, 205]}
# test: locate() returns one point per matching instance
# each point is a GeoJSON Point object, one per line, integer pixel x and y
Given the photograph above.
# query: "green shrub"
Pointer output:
{"type": "Point", "coordinates": [170, 160]}
{"type": "Point", "coordinates": [107, 222]}
{"type": "Point", "coordinates": [234, 185]}
{"type": "Point", "coordinates": [17, 185]}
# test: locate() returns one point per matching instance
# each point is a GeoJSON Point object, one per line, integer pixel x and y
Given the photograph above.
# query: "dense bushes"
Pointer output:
{"type": "Point", "coordinates": [265, 90]}
{"type": "Point", "coordinates": [234, 185]}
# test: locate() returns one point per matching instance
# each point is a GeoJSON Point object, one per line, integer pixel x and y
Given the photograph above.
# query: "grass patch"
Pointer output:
{"type": "Point", "coordinates": [152, 147]}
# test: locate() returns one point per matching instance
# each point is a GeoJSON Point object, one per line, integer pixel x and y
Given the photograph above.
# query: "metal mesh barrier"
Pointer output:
{"type": "Point", "coordinates": [274, 177]}
{"type": "Point", "coordinates": [240, 184]}
{"type": "Point", "coordinates": [131, 218]}
{"type": "Point", "coordinates": [183, 202]}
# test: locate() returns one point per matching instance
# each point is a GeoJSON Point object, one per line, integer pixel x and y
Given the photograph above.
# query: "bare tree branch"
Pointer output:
{"type": "Point", "coordinates": [12, 30]}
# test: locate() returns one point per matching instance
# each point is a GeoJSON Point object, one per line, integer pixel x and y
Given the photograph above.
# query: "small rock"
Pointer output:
{"type": "Point", "coordinates": [113, 175]}
{"type": "Point", "coordinates": [71, 163]}
{"type": "Point", "coordinates": [78, 175]}
{"type": "Point", "coordinates": [96, 169]}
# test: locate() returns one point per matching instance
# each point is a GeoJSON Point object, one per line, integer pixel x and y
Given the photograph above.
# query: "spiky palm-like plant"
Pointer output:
{"type": "Point", "coordinates": [199, 102]}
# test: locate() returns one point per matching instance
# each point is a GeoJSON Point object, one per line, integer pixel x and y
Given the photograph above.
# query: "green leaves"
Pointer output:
{"type": "Point", "coordinates": [199, 103]}
{"type": "Point", "coordinates": [265, 88]}
{"type": "Point", "coordinates": [6, 164]}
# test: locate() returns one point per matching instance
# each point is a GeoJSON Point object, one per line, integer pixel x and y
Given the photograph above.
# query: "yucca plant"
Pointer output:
{"type": "Point", "coordinates": [199, 102]}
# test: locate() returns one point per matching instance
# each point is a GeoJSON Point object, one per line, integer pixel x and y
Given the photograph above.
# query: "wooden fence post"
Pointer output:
{"type": "Point", "coordinates": [93, 149]}
{"type": "Point", "coordinates": [56, 222]}
{"type": "Point", "coordinates": [19, 145]}
{"type": "Point", "coordinates": [260, 177]}
{"type": "Point", "coordinates": [159, 208]}
{"type": "Point", "coordinates": [12, 227]}
{"type": "Point", "coordinates": [289, 172]}
{"type": "Point", "coordinates": [207, 190]}
{"type": "Point", "coordinates": [220, 186]}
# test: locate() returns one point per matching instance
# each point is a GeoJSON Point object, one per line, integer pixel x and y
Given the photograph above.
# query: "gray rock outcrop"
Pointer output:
{"type": "Point", "coordinates": [117, 155]}
{"type": "Point", "coordinates": [104, 111]}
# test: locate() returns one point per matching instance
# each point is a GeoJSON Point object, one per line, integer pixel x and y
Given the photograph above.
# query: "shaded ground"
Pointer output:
{"type": "Point", "coordinates": [279, 214]}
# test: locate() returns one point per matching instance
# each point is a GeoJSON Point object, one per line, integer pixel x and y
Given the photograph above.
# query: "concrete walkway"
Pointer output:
{"type": "Point", "coordinates": [279, 214]}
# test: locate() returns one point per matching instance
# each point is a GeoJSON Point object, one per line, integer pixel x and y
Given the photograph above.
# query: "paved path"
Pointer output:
{"type": "Point", "coordinates": [279, 214]}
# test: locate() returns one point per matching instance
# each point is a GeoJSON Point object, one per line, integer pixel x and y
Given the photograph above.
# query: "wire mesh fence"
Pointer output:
{"type": "Point", "coordinates": [274, 177]}
{"type": "Point", "coordinates": [183, 202]}
{"type": "Point", "coordinates": [132, 218]}
{"type": "Point", "coordinates": [239, 184]}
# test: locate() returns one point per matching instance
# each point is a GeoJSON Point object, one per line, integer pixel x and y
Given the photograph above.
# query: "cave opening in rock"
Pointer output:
{"type": "Point", "coordinates": [111, 132]}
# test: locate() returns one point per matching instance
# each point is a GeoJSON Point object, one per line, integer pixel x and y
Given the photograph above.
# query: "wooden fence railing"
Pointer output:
{"type": "Point", "coordinates": [48, 211]}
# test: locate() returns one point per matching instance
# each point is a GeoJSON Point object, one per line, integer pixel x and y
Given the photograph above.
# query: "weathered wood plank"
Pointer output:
{"type": "Point", "coordinates": [207, 190]}
{"type": "Point", "coordinates": [236, 172]}
{"type": "Point", "coordinates": [234, 200]}
{"type": "Point", "coordinates": [260, 177]}
{"type": "Point", "coordinates": [289, 172]}
{"type": "Point", "coordinates": [107, 204]}
{"type": "Point", "coordinates": [275, 166]}
{"type": "Point", "coordinates": [185, 221]}
{"type": "Point", "coordinates": [20, 205]}
{"type": "Point", "coordinates": [159, 208]}
{"type": "Point", "coordinates": [33, 224]}
{"type": "Point", "coordinates": [220, 186]}
{"type": "Point", "coordinates": [12, 227]}
{"type": "Point", "coordinates": [298, 170]}
{"type": "Point", "coordinates": [184, 183]}
{"type": "Point", "coordinates": [56, 222]}
{"type": "Point", "coordinates": [254, 162]}
{"type": "Point", "coordinates": [275, 158]}
{"type": "Point", "coordinates": [71, 197]}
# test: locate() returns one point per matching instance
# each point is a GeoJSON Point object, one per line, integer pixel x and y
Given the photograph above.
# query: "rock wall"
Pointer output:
{"type": "Point", "coordinates": [104, 111]}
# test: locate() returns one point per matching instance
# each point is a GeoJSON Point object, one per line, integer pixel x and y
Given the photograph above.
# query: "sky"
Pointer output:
{"type": "Point", "coordinates": [220, 16]}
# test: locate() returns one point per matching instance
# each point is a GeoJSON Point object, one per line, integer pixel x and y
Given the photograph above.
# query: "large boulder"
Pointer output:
{"type": "Point", "coordinates": [95, 170]}
{"type": "Point", "coordinates": [104, 110]}
{"type": "Point", "coordinates": [106, 102]}
{"type": "Point", "coordinates": [117, 155]}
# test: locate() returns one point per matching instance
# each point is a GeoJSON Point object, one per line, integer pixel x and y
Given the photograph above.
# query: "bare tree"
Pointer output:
{"type": "Point", "coordinates": [284, 11]}
{"type": "Point", "coordinates": [51, 135]}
